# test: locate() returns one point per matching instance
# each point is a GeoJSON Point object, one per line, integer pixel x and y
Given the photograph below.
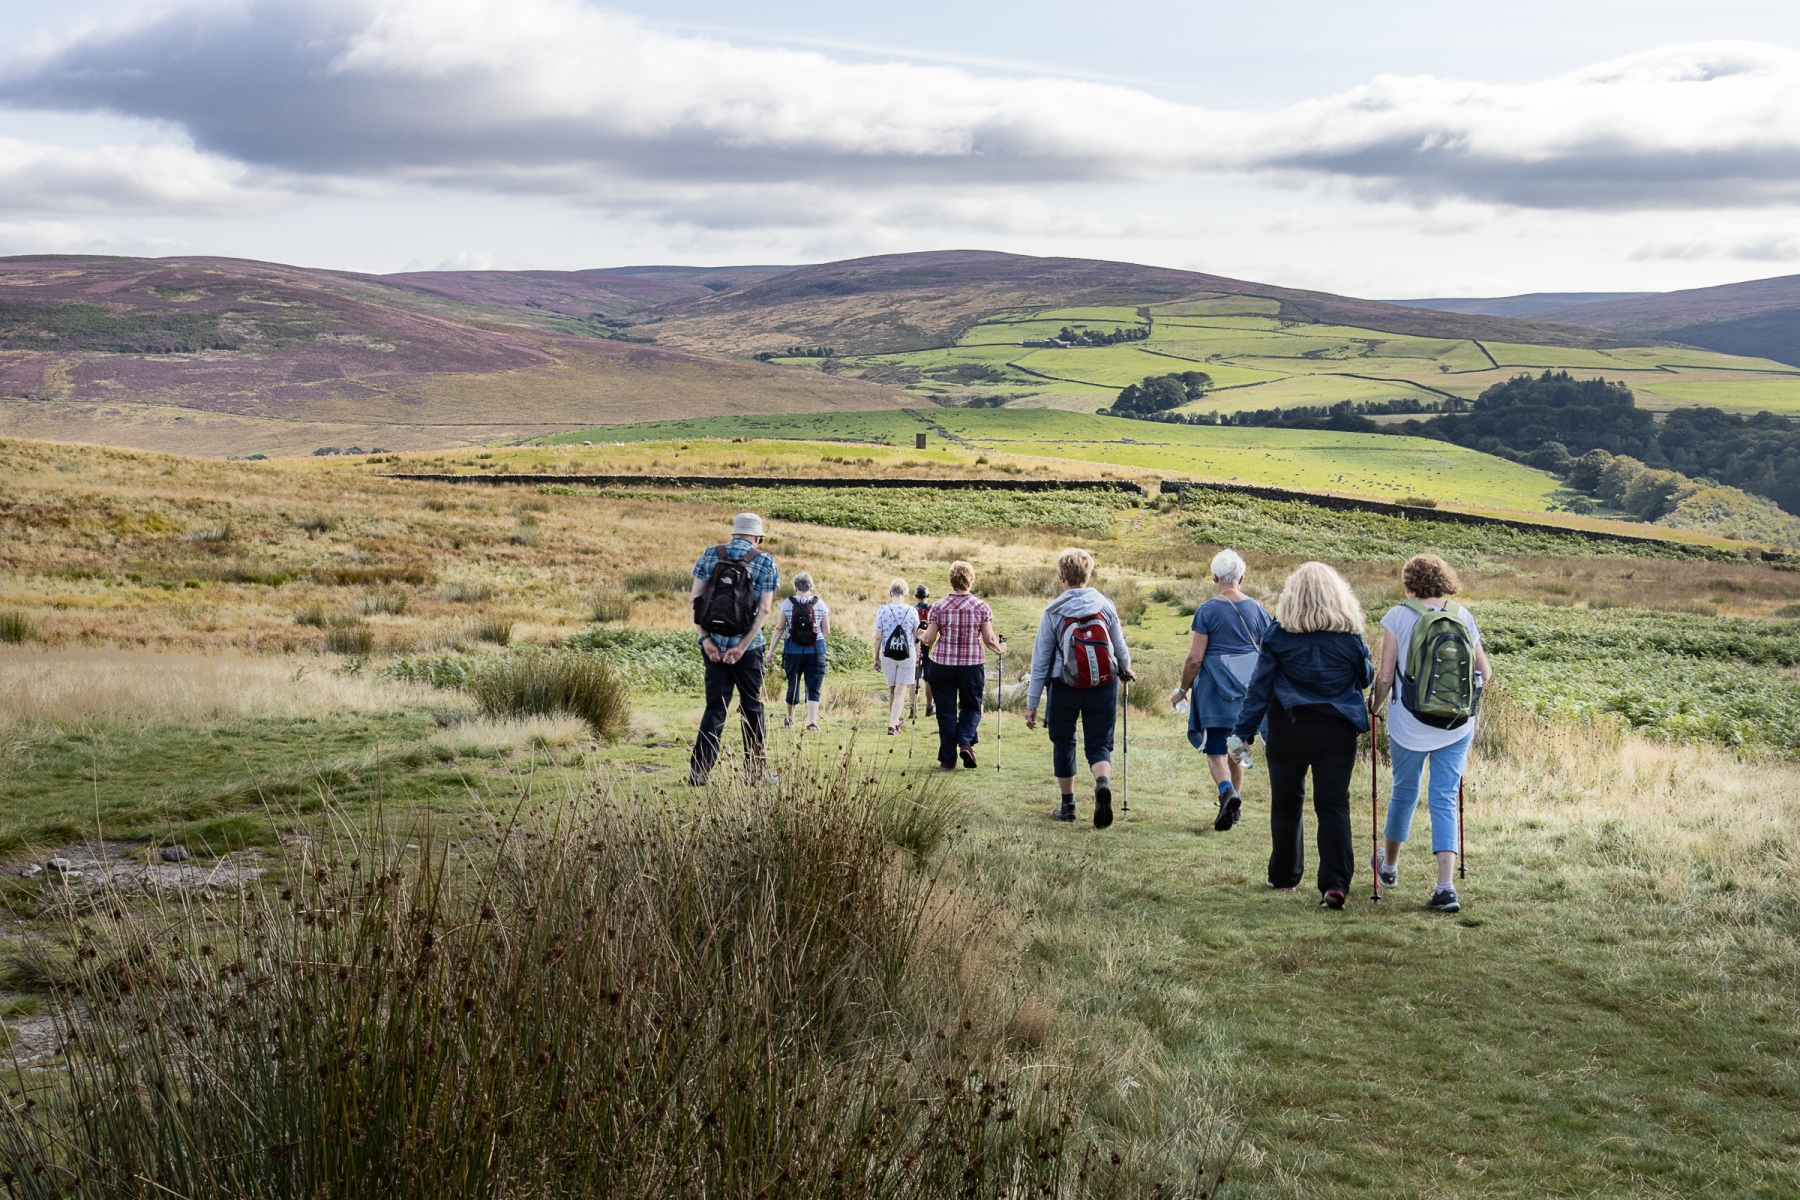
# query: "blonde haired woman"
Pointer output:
{"type": "Point", "coordinates": [1309, 683]}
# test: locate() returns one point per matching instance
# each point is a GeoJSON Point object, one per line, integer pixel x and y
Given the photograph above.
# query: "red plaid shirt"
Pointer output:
{"type": "Point", "coordinates": [959, 618]}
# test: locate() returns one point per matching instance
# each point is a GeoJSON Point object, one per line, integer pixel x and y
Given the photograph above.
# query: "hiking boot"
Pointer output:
{"type": "Point", "coordinates": [1389, 875]}
{"type": "Point", "coordinates": [967, 754]}
{"type": "Point", "coordinates": [1102, 803]}
{"type": "Point", "coordinates": [1332, 899]}
{"type": "Point", "coordinates": [1064, 812]}
{"type": "Point", "coordinates": [1231, 807]}
{"type": "Point", "coordinates": [1444, 900]}
{"type": "Point", "coordinates": [696, 779]}
{"type": "Point", "coordinates": [931, 710]}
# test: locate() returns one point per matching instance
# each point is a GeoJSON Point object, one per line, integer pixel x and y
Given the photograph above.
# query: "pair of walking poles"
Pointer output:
{"type": "Point", "coordinates": [1462, 858]}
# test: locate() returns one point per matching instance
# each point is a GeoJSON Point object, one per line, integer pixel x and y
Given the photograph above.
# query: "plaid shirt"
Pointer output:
{"type": "Point", "coordinates": [763, 571]}
{"type": "Point", "coordinates": [959, 618]}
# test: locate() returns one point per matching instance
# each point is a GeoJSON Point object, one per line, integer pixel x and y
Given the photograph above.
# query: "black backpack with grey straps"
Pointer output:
{"type": "Point", "coordinates": [728, 598]}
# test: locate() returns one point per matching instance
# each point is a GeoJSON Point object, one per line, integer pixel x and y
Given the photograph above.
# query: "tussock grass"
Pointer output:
{"type": "Point", "coordinates": [545, 683]}
{"type": "Point", "coordinates": [675, 581]}
{"type": "Point", "coordinates": [611, 603]}
{"type": "Point", "coordinates": [390, 604]}
{"type": "Point", "coordinates": [496, 630]}
{"type": "Point", "coordinates": [349, 636]}
{"type": "Point", "coordinates": [727, 996]}
{"type": "Point", "coordinates": [466, 593]}
{"type": "Point", "coordinates": [15, 628]}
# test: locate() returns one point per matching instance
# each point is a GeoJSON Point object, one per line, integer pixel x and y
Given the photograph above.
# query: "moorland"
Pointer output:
{"type": "Point", "coordinates": [497, 948]}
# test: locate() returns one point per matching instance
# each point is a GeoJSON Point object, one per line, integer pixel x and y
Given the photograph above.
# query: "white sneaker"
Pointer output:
{"type": "Point", "coordinates": [1389, 876]}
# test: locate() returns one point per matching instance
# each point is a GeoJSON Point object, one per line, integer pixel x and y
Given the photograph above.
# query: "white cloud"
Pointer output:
{"type": "Point", "coordinates": [38, 177]}
{"type": "Point", "coordinates": [556, 98]}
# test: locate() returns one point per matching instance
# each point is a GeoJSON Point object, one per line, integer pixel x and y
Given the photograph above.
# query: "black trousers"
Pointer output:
{"type": "Point", "coordinates": [957, 693]}
{"type": "Point", "coordinates": [745, 676]}
{"type": "Point", "coordinates": [1323, 742]}
{"type": "Point", "coordinates": [1098, 709]}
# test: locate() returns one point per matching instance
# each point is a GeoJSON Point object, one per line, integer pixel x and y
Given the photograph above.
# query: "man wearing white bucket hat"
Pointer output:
{"type": "Point", "coordinates": [734, 588]}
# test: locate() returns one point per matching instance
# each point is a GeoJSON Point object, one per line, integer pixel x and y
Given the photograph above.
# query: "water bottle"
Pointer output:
{"type": "Point", "coordinates": [1181, 708]}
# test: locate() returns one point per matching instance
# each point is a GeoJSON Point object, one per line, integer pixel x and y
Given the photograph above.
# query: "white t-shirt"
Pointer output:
{"type": "Point", "coordinates": [820, 612]}
{"type": "Point", "coordinates": [1403, 727]}
{"type": "Point", "coordinates": [890, 616]}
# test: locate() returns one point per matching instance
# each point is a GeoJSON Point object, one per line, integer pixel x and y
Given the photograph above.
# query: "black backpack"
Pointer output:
{"type": "Point", "coordinates": [728, 599]}
{"type": "Point", "coordinates": [803, 626]}
{"type": "Point", "coordinates": [898, 645]}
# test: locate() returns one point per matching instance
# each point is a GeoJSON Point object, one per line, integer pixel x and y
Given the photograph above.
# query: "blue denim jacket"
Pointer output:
{"type": "Point", "coordinates": [1297, 670]}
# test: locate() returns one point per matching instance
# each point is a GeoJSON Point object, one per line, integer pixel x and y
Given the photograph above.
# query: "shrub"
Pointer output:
{"type": "Point", "coordinates": [540, 683]}
{"type": "Point", "coordinates": [497, 630]}
{"type": "Point", "coordinates": [611, 603]}
{"type": "Point", "coordinates": [14, 627]}
{"type": "Point", "coordinates": [349, 637]}
{"type": "Point", "coordinates": [1128, 598]}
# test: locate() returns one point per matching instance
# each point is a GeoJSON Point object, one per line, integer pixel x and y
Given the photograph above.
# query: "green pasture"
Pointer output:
{"type": "Point", "coordinates": [1747, 395]}
{"type": "Point", "coordinates": [1364, 464]}
{"type": "Point", "coordinates": [1242, 342]}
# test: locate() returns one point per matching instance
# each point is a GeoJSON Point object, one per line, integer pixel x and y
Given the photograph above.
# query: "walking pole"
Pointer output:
{"type": "Point", "coordinates": [1462, 862]}
{"type": "Point", "coordinates": [999, 708]}
{"type": "Point", "coordinates": [1374, 803]}
{"type": "Point", "coordinates": [1125, 758]}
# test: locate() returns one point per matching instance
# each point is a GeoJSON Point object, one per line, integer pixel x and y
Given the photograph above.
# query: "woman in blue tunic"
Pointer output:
{"type": "Point", "coordinates": [1228, 635]}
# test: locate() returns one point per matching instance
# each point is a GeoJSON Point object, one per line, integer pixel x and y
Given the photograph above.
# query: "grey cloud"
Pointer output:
{"type": "Point", "coordinates": [551, 97]}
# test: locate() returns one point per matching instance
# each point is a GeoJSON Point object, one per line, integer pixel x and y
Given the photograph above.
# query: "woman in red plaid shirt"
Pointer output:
{"type": "Point", "coordinates": [959, 631]}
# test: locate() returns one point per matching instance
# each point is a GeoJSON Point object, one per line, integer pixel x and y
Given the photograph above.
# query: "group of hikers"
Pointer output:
{"type": "Point", "coordinates": [1303, 680]}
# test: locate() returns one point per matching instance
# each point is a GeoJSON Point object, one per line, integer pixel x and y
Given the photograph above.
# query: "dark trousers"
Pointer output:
{"type": "Point", "coordinates": [1325, 743]}
{"type": "Point", "coordinates": [1098, 709]}
{"type": "Point", "coordinates": [804, 671]}
{"type": "Point", "coordinates": [746, 677]}
{"type": "Point", "coordinates": [957, 693]}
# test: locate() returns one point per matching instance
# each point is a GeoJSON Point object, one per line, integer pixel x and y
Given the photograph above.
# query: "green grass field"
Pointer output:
{"type": "Point", "coordinates": [1365, 464]}
{"type": "Point", "coordinates": [1246, 347]}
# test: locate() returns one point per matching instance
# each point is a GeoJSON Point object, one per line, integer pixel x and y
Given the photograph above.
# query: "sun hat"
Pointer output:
{"type": "Point", "coordinates": [747, 525]}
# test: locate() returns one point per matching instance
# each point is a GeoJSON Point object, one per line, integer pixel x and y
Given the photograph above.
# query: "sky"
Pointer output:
{"type": "Point", "coordinates": [1387, 150]}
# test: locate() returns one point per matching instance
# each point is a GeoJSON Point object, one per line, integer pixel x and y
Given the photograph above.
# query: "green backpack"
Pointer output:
{"type": "Point", "coordinates": [1440, 667]}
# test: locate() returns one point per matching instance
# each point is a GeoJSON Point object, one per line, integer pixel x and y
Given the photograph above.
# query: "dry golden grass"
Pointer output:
{"type": "Point", "coordinates": [42, 687]}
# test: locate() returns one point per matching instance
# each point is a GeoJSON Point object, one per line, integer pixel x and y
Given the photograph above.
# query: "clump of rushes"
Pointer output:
{"type": "Point", "coordinates": [547, 683]}
{"type": "Point", "coordinates": [314, 616]}
{"type": "Point", "coordinates": [675, 581]}
{"type": "Point", "coordinates": [497, 630]}
{"type": "Point", "coordinates": [15, 628]}
{"type": "Point", "coordinates": [466, 593]}
{"type": "Point", "coordinates": [349, 636]}
{"type": "Point", "coordinates": [389, 603]}
{"type": "Point", "coordinates": [725, 996]}
{"type": "Point", "coordinates": [611, 603]}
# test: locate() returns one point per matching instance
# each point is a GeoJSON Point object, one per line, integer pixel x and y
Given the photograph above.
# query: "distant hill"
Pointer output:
{"type": "Point", "coordinates": [901, 302]}
{"type": "Point", "coordinates": [223, 356]}
{"type": "Point", "coordinates": [1758, 319]}
{"type": "Point", "coordinates": [1536, 305]}
{"type": "Point", "coordinates": [226, 356]}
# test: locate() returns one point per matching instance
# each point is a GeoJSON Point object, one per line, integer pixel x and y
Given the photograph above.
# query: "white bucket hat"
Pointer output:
{"type": "Point", "coordinates": [746, 525]}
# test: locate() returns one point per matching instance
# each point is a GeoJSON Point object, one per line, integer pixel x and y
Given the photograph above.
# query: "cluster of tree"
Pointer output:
{"type": "Point", "coordinates": [1548, 419]}
{"type": "Point", "coordinates": [1160, 393]}
{"type": "Point", "coordinates": [1673, 499]}
{"type": "Point", "coordinates": [1093, 337]}
{"type": "Point", "coordinates": [1346, 416]}
{"type": "Point", "coordinates": [797, 352]}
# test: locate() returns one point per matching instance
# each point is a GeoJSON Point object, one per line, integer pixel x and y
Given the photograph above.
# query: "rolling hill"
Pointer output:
{"type": "Point", "coordinates": [1756, 319]}
{"type": "Point", "coordinates": [231, 357]}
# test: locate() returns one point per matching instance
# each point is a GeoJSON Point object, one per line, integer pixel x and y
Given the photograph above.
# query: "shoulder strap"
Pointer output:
{"type": "Point", "coordinates": [1417, 606]}
{"type": "Point", "coordinates": [1254, 640]}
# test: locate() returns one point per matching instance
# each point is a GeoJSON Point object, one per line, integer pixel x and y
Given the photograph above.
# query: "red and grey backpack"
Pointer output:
{"type": "Point", "coordinates": [1086, 646]}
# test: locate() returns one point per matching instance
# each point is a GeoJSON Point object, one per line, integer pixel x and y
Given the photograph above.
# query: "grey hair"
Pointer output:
{"type": "Point", "coordinates": [1228, 566]}
{"type": "Point", "coordinates": [803, 582]}
{"type": "Point", "coordinates": [897, 588]}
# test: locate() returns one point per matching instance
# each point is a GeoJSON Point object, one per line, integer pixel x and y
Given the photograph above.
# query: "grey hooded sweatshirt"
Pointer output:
{"type": "Point", "coordinates": [1046, 654]}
